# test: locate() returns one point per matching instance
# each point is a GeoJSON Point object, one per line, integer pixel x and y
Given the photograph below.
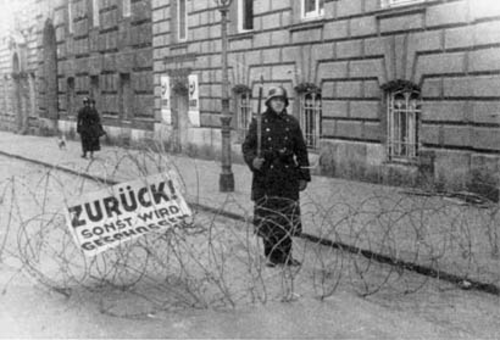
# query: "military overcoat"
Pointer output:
{"type": "Point", "coordinates": [275, 186]}
{"type": "Point", "coordinates": [89, 127]}
{"type": "Point", "coordinates": [285, 154]}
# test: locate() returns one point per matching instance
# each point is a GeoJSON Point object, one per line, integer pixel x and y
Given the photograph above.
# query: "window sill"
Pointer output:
{"type": "Point", "coordinates": [409, 162]}
{"type": "Point", "coordinates": [307, 25]}
{"type": "Point", "coordinates": [241, 35]}
{"type": "Point", "coordinates": [401, 10]}
{"type": "Point", "coordinates": [179, 45]}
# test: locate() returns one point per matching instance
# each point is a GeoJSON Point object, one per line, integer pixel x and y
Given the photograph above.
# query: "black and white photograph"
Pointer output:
{"type": "Point", "coordinates": [250, 169]}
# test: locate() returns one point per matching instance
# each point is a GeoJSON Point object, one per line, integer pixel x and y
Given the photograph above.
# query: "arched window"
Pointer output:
{"type": "Point", "coordinates": [310, 116]}
{"type": "Point", "coordinates": [403, 119]}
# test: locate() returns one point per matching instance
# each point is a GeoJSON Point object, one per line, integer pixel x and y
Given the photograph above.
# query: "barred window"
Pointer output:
{"type": "Point", "coordinates": [404, 112]}
{"type": "Point", "coordinates": [244, 113]}
{"type": "Point", "coordinates": [312, 8]}
{"type": "Point", "coordinates": [310, 118]}
{"type": "Point", "coordinates": [394, 3]}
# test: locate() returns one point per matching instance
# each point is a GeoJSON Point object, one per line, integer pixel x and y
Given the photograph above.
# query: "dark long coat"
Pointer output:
{"type": "Point", "coordinates": [275, 187]}
{"type": "Point", "coordinates": [89, 127]}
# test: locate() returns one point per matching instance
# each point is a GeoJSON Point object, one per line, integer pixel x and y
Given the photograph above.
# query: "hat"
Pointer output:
{"type": "Point", "coordinates": [86, 99]}
{"type": "Point", "coordinates": [276, 92]}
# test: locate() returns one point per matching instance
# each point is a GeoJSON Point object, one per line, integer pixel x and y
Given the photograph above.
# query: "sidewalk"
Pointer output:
{"type": "Point", "coordinates": [440, 237]}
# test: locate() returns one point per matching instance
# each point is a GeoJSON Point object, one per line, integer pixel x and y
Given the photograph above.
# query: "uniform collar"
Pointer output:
{"type": "Point", "coordinates": [273, 114]}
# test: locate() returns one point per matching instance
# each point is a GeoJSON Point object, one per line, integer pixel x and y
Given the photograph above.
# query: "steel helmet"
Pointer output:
{"type": "Point", "coordinates": [275, 92]}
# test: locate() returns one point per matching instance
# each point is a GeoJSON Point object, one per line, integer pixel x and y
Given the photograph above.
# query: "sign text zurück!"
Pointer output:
{"type": "Point", "coordinates": [104, 219]}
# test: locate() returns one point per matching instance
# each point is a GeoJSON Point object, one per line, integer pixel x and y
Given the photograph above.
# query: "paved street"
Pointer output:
{"type": "Point", "coordinates": [401, 309]}
{"type": "Point", "coordinates": [439, 233]}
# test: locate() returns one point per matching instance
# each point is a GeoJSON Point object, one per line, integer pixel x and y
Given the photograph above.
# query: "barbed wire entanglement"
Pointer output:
{"type": "Point", "coordinates": [367, 241]}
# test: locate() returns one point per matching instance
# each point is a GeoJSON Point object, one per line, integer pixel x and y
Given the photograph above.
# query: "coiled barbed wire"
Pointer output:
{"type": "Point", "coordinates": [213, 261]}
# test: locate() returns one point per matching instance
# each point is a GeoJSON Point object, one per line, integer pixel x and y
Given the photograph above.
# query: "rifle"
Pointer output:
{"type": "Point", "coordinates": [258, 117]}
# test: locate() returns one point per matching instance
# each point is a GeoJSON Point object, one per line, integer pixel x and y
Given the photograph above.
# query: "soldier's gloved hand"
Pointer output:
{"type": "Point", "coordinates": [285, 154]}
{"type": "Point", "coordinates": [302, 184]}
{"type": "Point", "coordinates": [258, 162]}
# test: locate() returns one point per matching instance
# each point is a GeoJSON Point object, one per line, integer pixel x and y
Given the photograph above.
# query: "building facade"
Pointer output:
{"type": "Point", "coordinates": [387, 91]}
{"type": "Point", "coordinates": [77, 48]}
{"type": "Point", "coordinates": [390, 91]}
{"type": "Point", "coordinates": [18, 63]}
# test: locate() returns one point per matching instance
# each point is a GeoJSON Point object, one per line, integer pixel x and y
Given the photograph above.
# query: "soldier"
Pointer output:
{"type": "Point", "coordinates": [280, 167]}
{"type": "Point", "coordinates": [89, 127]}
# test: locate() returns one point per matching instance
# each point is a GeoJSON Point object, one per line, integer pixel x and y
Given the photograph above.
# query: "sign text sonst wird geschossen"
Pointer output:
{"type": "Point", "coordinates": [104, 219]}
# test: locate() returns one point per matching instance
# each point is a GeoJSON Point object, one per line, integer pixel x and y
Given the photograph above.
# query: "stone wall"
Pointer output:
{"type": "Point", "coordinates": [71, 53]}
{"type": "Point", "coordinates": [448, 49]}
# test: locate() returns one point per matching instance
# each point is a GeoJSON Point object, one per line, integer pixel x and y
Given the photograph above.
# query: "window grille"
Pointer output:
{"type": "Point", "coordinates": [244, 113]}
{"type": "Point", "coordinates": [394, 3]}
{"type": "Point", "coordinates": [312, 8]}
{"type": "Point", "coordinates": [245, 13]}
{"type": "Point", "coordinates": [310, 118]}
{"type": "Point", "coordinates": [404, 112]}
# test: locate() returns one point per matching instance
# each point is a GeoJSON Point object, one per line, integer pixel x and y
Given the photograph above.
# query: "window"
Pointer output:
{"type": "Point", "coordinates": [126, 8]}
{"type": "Point", "coordinates": [245, 15]}
{"type": "Point", "coordinates": [70, 17]}
{"type": "Point", "coordinates": [244, 113]}
{"type": "Point", "coordinates": [94, 88]}
{"type": "Point", "coordinates": [312, 8]}
{"type": "Point", "coordinates": [310, 116]}
{"type": "Point", "coordinates": [125, 97]}
{"type": "Point", "coordinates": [394, 3]}
{"type": "Point", "coordinates": [70, 96]}
{"type": "Point", "coordinates": [95, 13]}
{"type": "Point", "coordinates": [402, 124]}
{"type": "Point", "coordinates": [182, 20]}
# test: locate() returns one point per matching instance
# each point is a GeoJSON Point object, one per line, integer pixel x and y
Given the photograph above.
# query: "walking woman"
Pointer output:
{"type": "Point", "coordinates": [89, 127]}
{"type": "Point", "coordinates": [280, 168]}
